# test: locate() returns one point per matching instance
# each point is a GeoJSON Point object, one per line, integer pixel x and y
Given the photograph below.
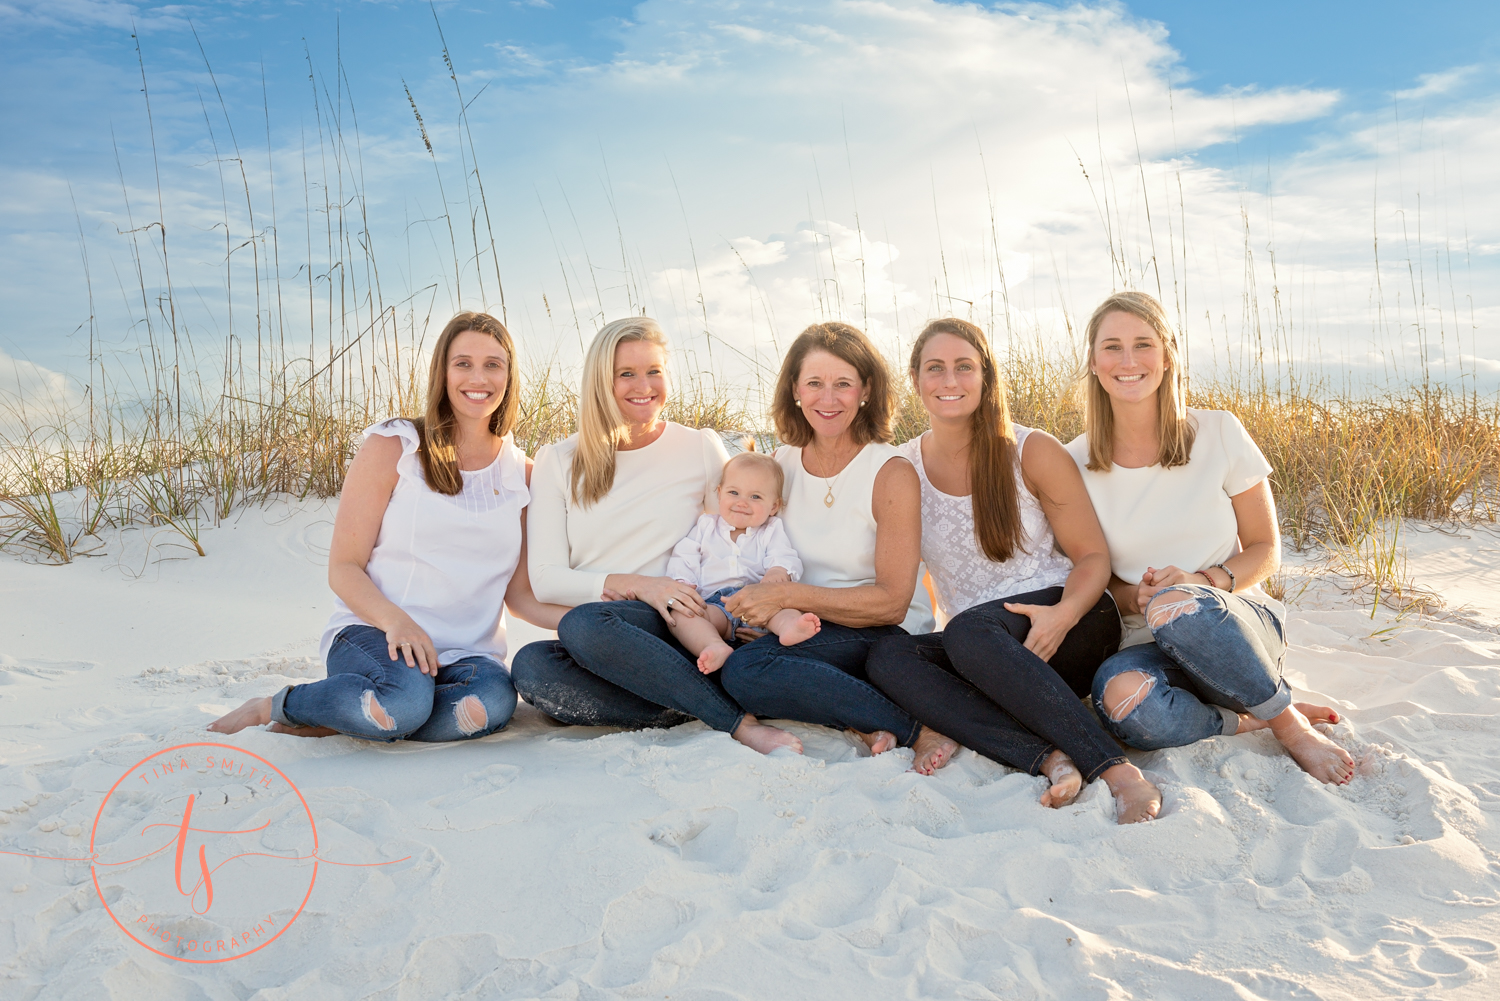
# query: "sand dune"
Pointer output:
{"type": "Point", "coordinates": [548, 861]}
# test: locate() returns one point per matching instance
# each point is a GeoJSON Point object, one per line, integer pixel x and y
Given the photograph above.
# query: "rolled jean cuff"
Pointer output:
{"type": "Point", "coordinates": [1275, 705]}
{"type": "Point", "coordinates": [278, 708]}
{"type": "Point", "coordinates": [1231, 721]}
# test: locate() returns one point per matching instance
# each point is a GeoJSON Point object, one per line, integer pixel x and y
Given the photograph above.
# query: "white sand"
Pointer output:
{"type": "Point", "coordinates": [554, 862]}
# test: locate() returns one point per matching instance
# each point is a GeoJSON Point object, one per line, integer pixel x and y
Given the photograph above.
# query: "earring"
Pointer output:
{"type": "Point", "coordinates": [799, 404]}
{"type": "Point", "coordinates": [863, 402]}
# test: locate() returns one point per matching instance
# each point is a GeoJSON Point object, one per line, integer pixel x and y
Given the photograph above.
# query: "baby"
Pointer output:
{"type": "Point", "coordinates": [743, 544]}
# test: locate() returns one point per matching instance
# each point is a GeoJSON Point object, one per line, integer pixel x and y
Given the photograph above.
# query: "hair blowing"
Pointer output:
{"type": "Point", "coordinates": [872, 422]}
{"type": "Point", "coordinates": [1175, 432]}
{"type": "Point", "coordinates": [601, 426]}
{"type": "Point", "coordinates": [436, 427]}
{"type": "Point", "coordinates": [992, 445]}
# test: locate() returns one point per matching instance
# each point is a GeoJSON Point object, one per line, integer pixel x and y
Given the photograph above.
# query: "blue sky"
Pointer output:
{"type": "Point", "coordinates": [751, 167]}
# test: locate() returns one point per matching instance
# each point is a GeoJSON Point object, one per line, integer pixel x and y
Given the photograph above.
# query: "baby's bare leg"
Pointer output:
{"type": "Point", "coordinates": [703, 636]}
{"type": "Point", "coordinates": [793, 626]}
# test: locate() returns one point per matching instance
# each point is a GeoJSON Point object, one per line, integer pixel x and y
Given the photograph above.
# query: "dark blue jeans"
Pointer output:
{"type": "Point", "coordinates": [614, 663]}
{"type": "Point", "coordinates": [977, 683]}
{"type": "Point", "coordinates": [820, 680]}
{"type": "Point", "coordinates": [362, 678]}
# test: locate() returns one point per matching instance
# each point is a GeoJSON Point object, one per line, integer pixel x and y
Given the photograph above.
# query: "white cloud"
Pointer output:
{"type": "Point", "coordinates": [1432, 84]}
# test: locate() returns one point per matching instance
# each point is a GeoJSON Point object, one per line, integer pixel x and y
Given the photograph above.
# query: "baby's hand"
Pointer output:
{"type": "Point", "coordinates": [776, 575]}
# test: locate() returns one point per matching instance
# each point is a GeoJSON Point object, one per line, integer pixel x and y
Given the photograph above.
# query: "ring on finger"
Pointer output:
{"type": "Point", "coordinates": [671, 602]}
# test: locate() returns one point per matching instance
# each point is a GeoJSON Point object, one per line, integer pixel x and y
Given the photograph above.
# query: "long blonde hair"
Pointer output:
{"type": "Point", "coordinates": [436, 426]}
{"type": "Point", "coordinates": [601, 426]}
{"type": "Point", "coordinates": [1174, 429]}
{"type": "Point", "coordinates": [992, 446]}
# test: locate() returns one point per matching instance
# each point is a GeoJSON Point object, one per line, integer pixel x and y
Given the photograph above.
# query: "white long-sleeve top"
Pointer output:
{"type": "Point", "coordinates": [710, 559]}
{"type": "Point", "coordinates": [658, 494]}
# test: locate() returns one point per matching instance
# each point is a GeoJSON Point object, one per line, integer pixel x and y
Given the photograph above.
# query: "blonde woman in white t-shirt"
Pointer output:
{"type": "Point", "coordinates": [428, 544]}
{"type": "Point", "coordinates": [1186, 507]}
{"type": "Point", "coordinates": [609, 504]}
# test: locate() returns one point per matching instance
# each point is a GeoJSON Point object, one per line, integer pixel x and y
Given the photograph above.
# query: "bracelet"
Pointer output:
{"type": "Point", "coordinates": [1230, 573]}
{"type": "Point", "coordinates": [1205, 576]}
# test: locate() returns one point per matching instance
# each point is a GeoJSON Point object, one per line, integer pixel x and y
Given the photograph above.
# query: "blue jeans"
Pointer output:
{"type": "Point", "coordinates": [1220, 657]}
{"type": "Point", "coordinates": [977, 683]}
{"type": "Point", "coordinates": [365, 689]}
{"type": "Point", "coordinates": [717, 600]}
{"type": "Point", "coordinates": [614, 663]}
{"type": "Point", "coordinates": [820, 680]}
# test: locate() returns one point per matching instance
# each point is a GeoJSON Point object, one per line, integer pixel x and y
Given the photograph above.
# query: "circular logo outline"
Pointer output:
{"type": "Point", "coordinates": [94, 865]}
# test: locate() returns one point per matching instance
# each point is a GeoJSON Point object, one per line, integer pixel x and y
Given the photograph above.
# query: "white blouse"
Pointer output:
{"type": "Point", "coordinates": [658, 494]}
{"type": "Point", "coordinates": [837, 543]}
{"type": "Point", "coordinates": [710, 560]}
{"type": "Point", "coordinates": [446, 561]}
{"type": "Point", "coordinates": [962, 574]}
{"type": "Point", "coordinates": [1182, 516]}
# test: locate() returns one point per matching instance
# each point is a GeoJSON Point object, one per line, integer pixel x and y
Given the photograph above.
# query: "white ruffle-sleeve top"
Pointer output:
{"type": "Point", "coordinates": [447, 561]}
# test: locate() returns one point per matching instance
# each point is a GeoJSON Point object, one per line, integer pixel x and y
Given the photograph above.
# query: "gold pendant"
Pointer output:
{"type": "Point", "coordinates": [828, 498]}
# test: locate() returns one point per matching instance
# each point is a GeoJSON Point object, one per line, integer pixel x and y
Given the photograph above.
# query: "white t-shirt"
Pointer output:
{"type": "Point", "coordinates": [837, 542]}
{"type": "Point", "coordinates": [658, 494]}
{"type": "Point", "coordinates": [710, 560]}
{"type": "Point", "coordinates": [446, 561]}
{"type": "Point", "coordinates": [1183, 517]}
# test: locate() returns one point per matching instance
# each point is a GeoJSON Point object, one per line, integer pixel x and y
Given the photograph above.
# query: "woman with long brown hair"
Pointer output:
{"type": "Point", "coordinates": [429, 543]}
{"type": "Point", "coordinates": [1019, 566]}
{"type": "Point", "coordinates": [1184, 497]}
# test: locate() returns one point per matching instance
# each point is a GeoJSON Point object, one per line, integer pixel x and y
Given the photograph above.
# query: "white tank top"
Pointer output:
{"type": "Point", "coordinates": [446, 561]}
{"type": "Point", "coordinates": [962, 574]}
{"type": "Point", "coordinates": [836, 543]}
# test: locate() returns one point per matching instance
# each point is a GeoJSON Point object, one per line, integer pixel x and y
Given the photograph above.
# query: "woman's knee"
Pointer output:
{"type": "Point", "coordinates": [1122, 694]}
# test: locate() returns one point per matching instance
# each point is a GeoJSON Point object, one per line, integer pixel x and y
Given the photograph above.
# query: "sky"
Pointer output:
{"type": "Point", "coordinates": [1307, 186]}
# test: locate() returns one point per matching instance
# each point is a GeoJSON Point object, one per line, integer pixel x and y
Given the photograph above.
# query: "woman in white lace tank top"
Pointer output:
{"type": "Point", "coordinates": [1020, 567]}
{"type": "Point", "coordinates": [428, 543]}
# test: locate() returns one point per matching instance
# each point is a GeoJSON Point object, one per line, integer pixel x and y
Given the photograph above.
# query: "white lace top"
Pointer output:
{"type": "Point", "coordinates": [961, 574]}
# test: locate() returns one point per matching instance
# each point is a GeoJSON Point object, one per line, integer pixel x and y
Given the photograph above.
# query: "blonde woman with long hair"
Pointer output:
{"type": "Point", "coordinates": [429, 543]}
{"type": "Point", "coordinates": [1019, 566]}
{"type": "Point", "coordinates": [611, 502]}
{"type": "Point", "coordinates": [1184, 497]}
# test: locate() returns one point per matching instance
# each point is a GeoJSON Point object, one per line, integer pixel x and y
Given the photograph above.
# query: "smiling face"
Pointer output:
{"type": "Point", "coordinates": [829, 391]}
{"type": "Point", "coordinates": [478, 370]}
{"type": "Point", "coordinates": [949, 377]}
{"type": "Point", "coordinates": [748, 496]}
{"type": "Point", "coordinates": [1128, 358]}
{"type": "Point", "coordinates": [640, 385]}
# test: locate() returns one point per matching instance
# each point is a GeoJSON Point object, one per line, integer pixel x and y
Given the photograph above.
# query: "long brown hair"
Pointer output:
{"type": "Point", "coordinates": [436, 426]}
{"type": "Point", "coordinates": [872, 422]}
{"type": "Point", "coordinates": [992, 445]}
{"type": "Point", "coordinates": [1174, 429]}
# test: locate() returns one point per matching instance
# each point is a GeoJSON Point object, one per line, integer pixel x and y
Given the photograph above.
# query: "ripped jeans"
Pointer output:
{"type": "Point", "coordinates": [1216, 655]}
{"type": "Point", "coordinates": [366, 694]}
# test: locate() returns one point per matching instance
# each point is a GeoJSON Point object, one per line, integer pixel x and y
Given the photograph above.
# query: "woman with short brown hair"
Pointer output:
{"type": "Point", "coordinates": [854, 517]}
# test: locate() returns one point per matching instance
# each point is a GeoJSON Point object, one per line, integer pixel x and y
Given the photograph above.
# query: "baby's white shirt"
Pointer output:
{"type": "Point", "coordinates": [710, 560]}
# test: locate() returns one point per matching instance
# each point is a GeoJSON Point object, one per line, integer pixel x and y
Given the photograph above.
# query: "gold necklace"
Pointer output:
{"type": "Point", "coordinates": [829, 484]}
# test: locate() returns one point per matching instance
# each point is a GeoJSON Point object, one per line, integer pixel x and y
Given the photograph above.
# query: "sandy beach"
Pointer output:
{"type": "Point", "coordinates": [548, 861]}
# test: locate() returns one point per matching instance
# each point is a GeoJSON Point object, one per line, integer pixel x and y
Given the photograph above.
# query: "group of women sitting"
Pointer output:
{"type": "Point", "coordinates": [1101, 593]}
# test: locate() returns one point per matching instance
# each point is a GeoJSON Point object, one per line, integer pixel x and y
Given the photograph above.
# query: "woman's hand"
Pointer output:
{"type": "Point", "coordinates": [1049, 627]}
{"type": "Point", "coordinates": [657, 591]}
{"type": "Point", "coordinates": [1154, 581]}
{"type": "Point", "coordinates": [405, 639]}
{"type": "Point", "coordinates": [754, 604]}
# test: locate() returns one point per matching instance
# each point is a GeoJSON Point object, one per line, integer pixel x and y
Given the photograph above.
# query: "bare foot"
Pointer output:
{"type": "Point", "coordinates": [1314, 713]}
{"type": "Point", "coordinates": [1319, 757]}
{"type": "Point", "coordinates": [765, 739]}
{"type": "Point", "coordinates": [805, 627]}
{"type": "Point", "coordinates": [1136, 799]}
{"type": "Point", "coordinates": [878, 742]}
{"type": "Point", "coordinates": [932, 751]}
{"type": "Point", "coordinates": [256, 712]}
{"type": "Point", "coordinates": [713, 657]}
{"type": "Point", "coordinates": [1065, 779]}
{"type": "Point", "coordinates": [302, 731]}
